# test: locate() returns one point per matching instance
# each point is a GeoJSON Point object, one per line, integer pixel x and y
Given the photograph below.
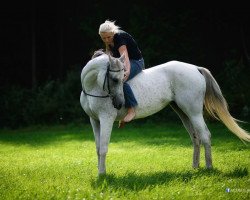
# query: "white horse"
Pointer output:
{"type": "Point", "coordinates": [186, 87]}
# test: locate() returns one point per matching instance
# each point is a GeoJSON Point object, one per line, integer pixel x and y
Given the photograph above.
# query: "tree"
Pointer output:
{"type": "Point", "coordinates": [33, 45]}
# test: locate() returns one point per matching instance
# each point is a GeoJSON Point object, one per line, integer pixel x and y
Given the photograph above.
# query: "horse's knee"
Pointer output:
{"type": "Point", "coordinates": [196, 140]}
{"type": "Point", "coordinates": [206, 137]}
{"type": "Point", "coordinates": [206, 140]}
{"type": "Point", "coordinates": [103, 151]}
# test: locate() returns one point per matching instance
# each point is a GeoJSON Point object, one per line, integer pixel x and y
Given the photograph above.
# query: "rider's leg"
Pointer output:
{"type": "Point", "coordinates": [130, 101]}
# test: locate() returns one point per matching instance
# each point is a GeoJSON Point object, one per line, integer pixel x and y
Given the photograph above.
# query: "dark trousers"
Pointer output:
{"type": "Point", "coordinates": [136, 66]}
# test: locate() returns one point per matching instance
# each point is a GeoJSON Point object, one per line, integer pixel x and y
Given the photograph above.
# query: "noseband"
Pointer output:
{"type": "Point", "coordinates": [106, 79]}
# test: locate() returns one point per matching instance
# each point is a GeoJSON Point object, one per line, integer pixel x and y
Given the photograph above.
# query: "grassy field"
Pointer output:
{"type": "Point", "coordinates": [151, 161]}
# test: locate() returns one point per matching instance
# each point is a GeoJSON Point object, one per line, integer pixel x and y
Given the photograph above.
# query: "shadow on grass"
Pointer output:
{"type": "Point", "coordinates": [150, 134]}
{"type": "Point", "coordinates": [137, 182]}
{"type": "Point", "coordinates": [41, 136]}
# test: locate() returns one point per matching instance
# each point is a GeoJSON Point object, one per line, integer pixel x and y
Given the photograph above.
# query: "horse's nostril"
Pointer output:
{"type": "Point", "coordinates": [117, 103]}
{"type": "Point", "coordinates": [119, 106]}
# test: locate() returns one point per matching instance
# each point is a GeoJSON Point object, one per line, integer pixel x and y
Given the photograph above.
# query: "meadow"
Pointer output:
{"type": "Point", "coordinates": [145, 161]}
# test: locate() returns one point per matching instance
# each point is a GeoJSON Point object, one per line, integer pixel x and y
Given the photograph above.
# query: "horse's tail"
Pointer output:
{"type": "Point", "coordinates": [217, 106]}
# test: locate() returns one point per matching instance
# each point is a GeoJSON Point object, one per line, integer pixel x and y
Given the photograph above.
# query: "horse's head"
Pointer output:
{"type": "Point", "coordinates": [115, 75]}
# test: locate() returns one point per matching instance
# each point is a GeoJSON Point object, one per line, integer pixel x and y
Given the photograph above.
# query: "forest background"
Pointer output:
{"type": "Point", "coordinates": [45, 46]}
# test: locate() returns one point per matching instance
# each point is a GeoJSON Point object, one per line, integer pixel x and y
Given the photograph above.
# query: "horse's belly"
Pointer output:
{"type": "Point", "coordinates": [144, 112]}
{"type": "Point", "coordinates": [150, 105]}
{"type": "Point", "coordinates": [152, 91]}
{"type": "Point", "coordinates": [152, 100]}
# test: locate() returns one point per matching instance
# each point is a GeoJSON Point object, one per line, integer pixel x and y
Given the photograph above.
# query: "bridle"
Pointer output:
{"type": "Point", "coordinates": [106, 79]}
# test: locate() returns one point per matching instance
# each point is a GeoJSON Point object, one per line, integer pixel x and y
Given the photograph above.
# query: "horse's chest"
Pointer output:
{"type": "Point", "coordinates": [94, 106]}
{"type": "Point", "coordinates": [87, 106]}
{"type": "Point", "coordinates": [90, 112]}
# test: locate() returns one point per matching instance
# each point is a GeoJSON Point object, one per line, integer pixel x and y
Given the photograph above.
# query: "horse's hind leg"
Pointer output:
{"type": "Point", "coordinates": [201, 128]}
{"type": "Point", "coordinates": [193, 108]}
{"type": "Point", "coordinates": [193, 135]}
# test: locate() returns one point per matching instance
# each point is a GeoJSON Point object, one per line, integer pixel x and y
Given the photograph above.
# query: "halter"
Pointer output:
{"type": "Point", "coordinates": [106, 79]}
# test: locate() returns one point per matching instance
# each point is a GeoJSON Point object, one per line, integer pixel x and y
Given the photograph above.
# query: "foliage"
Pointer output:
{"type": "Point", "coordinates": [53, 103]}
{"type": "Point", "coordinates": [167, 36]}
{"type": "Point", "coordinates": [152, 161]}
{"type": "Point", "coordinates": [68, 36]}
{"type": "Point", "coordinates": [234, 79]}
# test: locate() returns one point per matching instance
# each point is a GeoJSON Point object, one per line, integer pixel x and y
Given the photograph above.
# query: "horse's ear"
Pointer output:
{"type": "Point", "coordinates": [122, 58]}
{"type": "Point", "coordinates": [110, 59]}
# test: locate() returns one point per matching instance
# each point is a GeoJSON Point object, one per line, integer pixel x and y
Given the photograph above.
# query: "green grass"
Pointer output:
{"type": "Point", "coordinates": [151, 161]}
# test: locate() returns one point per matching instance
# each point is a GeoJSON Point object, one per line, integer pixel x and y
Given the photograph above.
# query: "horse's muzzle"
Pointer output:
{"type": "Point", "coordinates": [117, 102]}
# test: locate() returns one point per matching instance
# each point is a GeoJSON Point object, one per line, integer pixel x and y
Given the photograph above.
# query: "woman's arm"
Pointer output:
{"type": "Point", "coordinates": [123, 50]}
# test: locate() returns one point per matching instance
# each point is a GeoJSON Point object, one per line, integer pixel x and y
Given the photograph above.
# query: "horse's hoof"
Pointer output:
{"type": "Point", "coordinates": [121, 124]}
{"type": "Point", "coordinates": [209, 167]}
{"type": "Point", "coordinates": [196, 166]}
{"type": "Point", "coordinates": [102, 175]}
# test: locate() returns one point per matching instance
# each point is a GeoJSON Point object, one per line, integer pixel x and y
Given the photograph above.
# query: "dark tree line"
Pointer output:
{"type": "Point", "coordinates": [44, 41]}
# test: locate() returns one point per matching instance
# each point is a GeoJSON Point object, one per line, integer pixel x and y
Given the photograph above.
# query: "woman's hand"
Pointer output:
{"type": "Point", "coordinates": [123, 50]}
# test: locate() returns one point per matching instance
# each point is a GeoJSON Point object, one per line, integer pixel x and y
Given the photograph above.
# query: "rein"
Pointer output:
{"type": "Point", "coordinates": [106, 79]}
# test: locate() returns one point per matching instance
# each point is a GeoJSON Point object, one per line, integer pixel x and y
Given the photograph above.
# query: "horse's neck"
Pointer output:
{"type": "Point", "coordinates": [95, 64]}
{"type": "Point", "coordinates": [93, 74]}
{"type": "Point", "coordinates": [89, 80]}
{"type": "Point", "coordinates": [93, 81]}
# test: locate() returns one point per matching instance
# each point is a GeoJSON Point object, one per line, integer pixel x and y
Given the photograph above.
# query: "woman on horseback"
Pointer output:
{"type": "Point", "coordinates": [119, 42]}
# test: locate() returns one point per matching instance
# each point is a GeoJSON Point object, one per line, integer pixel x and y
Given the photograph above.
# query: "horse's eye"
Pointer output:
{"type": "Point", "coordinates": [115, 80]}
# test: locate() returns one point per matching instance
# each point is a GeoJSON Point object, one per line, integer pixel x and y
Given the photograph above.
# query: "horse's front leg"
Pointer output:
{"type": "Point", "coordinates": [96, 129]}
{"type": "Point", "coordinates": [106, 123]}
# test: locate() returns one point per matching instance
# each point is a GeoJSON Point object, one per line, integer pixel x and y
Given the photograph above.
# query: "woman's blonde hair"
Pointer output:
{"type": "Point", "coordinates": [108, 26]}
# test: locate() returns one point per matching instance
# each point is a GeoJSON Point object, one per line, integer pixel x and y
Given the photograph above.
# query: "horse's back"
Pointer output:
{"type": "Point", "coordinates": [169, 74]}
{"type": "Point", "coordinates": [156, 87]}
{"type": "Point", "coordinates": [185, 75]}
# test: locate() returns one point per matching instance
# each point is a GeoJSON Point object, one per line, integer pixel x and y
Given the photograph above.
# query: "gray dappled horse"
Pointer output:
{"type": "Point", "coordinates": [186, 87]}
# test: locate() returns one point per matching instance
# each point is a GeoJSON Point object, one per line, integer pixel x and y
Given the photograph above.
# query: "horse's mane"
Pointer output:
{"type": "Point", "coordinates": [97, 53]}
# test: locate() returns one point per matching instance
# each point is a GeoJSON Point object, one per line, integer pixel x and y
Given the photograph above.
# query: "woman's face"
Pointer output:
{"type": "Point", "coordinates": [107, 37]}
